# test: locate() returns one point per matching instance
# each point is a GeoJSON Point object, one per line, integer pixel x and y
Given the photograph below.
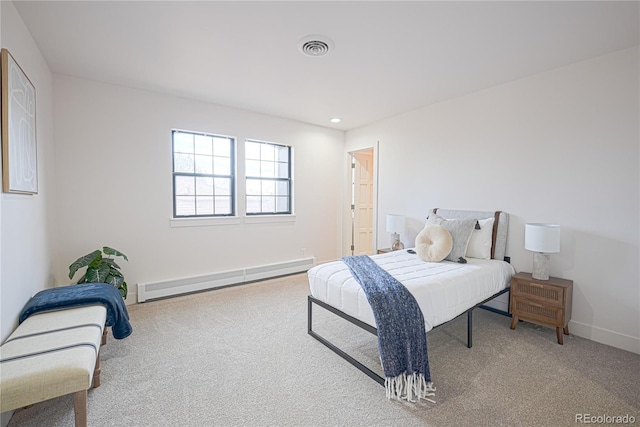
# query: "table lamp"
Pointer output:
{"type": "Point", "coordinates": [543, 239]}
{"type": "Point", "coordinates": [395, 225]}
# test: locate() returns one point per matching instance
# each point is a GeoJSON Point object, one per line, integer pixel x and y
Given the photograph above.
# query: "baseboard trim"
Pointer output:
{"type": "Point", "coordinates": [132, 297]}
{"type": "Point", "coordinates": [605, 336]}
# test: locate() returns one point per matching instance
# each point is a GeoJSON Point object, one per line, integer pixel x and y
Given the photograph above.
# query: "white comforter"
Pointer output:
{"type": "Point", "coordinates": [443, 290]}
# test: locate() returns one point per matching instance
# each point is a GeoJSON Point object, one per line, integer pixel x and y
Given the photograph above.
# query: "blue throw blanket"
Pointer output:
{"type": "Point", "coordinates": [402, 340]}
{"type": "Point", "coordinates": [81, 295]}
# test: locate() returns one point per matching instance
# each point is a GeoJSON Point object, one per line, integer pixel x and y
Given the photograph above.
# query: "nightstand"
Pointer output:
{"type": "Point", "coordinates": [384, 250]}
{"type": "Point", "coordinates": [545, 302]}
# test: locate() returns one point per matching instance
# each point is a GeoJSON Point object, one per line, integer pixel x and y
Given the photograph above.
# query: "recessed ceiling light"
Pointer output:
{"type": "Point", "coordinates": [315, 45]}
{"type": "Point", "coordinates": [335, 120]}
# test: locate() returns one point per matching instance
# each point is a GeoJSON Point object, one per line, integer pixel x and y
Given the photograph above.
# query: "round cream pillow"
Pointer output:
{"type": "Point", "coordinates": [433, 243]}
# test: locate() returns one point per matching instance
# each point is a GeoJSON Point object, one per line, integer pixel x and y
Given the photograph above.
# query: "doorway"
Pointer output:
{"type": "Point", "coordinates": [361, 184]}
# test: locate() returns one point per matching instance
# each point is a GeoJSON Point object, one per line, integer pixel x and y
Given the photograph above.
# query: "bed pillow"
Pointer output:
{"type": "Point", "coordinates": [480, 241]}
{"type": "Point", "coordinates": [433, 243]}
{"type": "Point", "coordinates": [460, 230]}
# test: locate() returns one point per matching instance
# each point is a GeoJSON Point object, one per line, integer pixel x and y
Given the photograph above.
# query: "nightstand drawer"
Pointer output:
{"type": "Point", "coordinates": [536, 312]}
{"type": "Point", "coordinates": [546, 293]}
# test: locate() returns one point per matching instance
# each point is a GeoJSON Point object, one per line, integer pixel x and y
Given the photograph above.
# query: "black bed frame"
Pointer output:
{"type": "Point", "coordinates": [311, 300]}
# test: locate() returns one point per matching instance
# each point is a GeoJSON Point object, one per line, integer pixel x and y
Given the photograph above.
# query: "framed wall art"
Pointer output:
{"type": "Point", "coordinates": [19, 144]}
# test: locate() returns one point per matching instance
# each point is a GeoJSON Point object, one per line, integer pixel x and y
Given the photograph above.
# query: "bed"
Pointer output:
{"type": "Point", "coordinates": [444, 290]}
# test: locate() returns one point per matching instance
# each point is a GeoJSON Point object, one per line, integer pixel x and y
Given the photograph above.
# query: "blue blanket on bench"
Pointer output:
{"type": "Point", "coordinates": [81, 295]}
{"type": "Point", "coordinates": [402, 340]}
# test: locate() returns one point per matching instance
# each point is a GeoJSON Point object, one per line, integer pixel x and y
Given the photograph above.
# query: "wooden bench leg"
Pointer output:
{"type": "Point", "coordinates": [104, 336]}
{"type": "Point", "coordinates": [80, 408]}
{"type": "Point", "coordinates": [96, 372]}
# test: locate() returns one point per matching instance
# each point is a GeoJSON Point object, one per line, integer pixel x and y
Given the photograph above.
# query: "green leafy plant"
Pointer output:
{"type": "Point", "coordinates": [101, 269]}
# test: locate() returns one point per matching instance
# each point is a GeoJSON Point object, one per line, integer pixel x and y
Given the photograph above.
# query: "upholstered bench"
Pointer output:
{"type": "Point", "coordinates": [52, 354]}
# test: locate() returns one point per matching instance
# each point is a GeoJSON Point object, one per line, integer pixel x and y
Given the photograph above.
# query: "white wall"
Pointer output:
{"type": "Point", "coordinates": [25, 234]}
{"type": "Point", "coordinates": [561, 147]}
{"type": "Point", "coordinates": [113, 161]}
{"type": "Point", "coordinates": [25, 252]}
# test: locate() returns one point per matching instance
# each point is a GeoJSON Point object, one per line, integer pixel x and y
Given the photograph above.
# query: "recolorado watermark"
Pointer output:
{"type": "Point", "coordinates": [604, 419]}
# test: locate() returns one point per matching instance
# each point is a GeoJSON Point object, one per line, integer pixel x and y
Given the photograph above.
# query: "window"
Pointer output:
{"type": "Point", "coordinates": [268, 172]}
{"type": "Point", "coordinates": [203, 174]}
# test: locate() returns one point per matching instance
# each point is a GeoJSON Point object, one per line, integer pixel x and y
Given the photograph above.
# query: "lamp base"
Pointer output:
{"type": "Point", "coordinates": [540, 266]}
{"type": "Point", "coordinates": [397, 245]}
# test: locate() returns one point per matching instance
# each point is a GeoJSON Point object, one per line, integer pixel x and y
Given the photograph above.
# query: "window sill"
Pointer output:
{"type": "Point", "coordinates": [230, 220]}
{"type": "Point", "coordinates": [263, 219]}
{"type": "Point", "coordinates": [203, 222]}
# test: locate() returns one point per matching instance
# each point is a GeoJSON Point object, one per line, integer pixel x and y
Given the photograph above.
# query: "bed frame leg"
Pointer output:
{"type": "Point", "coordinates": [309, 318]}
{"type": "Point", "coordinates": [469, 328]}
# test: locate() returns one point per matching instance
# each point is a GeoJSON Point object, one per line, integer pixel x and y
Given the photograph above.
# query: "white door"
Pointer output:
{"type": "Point", "coordinates": [362, 202]}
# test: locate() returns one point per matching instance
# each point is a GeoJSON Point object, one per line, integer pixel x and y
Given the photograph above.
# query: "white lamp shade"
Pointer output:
{"type": "Point", "coordinates": [395, 223]}
{"type": "Point", "coordinates": [543, 238]}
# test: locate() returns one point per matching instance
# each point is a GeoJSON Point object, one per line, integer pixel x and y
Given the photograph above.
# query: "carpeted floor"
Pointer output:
{"type": "Point", "coordinates": [241, 356]}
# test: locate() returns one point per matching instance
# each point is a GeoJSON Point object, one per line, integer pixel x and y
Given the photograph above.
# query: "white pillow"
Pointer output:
{"type": "Point", "coordinates": [433, 243]}
{"type": "Point", "coordinates": [480, 241]}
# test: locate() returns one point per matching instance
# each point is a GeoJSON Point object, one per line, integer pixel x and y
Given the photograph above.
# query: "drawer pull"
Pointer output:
{"type": "Point", "coordinates": [535, 305]}
{"type": "Point", "coordinates": [537, 285]}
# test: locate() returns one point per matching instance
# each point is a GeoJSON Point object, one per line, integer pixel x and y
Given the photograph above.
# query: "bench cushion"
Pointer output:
{"type": "Point", "coordinates": [50, 354]}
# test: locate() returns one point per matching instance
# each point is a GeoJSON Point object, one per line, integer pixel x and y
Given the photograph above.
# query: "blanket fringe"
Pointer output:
{"type": "Point", "coordinates": [409, 387]}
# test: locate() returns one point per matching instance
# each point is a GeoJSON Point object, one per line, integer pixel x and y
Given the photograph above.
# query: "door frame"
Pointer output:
{"type": "Point", "coordinates": [346, 216]}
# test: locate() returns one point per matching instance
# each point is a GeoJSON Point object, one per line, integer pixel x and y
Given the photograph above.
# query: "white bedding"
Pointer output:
{"type": "Point", "coordinates": [443, 290]}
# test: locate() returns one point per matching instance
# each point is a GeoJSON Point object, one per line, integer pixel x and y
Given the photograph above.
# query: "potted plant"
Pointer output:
{"type": "Point", "coordinates": [101, 269]}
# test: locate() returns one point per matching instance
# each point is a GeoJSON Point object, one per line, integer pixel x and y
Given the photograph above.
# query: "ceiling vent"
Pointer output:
{"type": "Point", "coordinates": [315, 45]}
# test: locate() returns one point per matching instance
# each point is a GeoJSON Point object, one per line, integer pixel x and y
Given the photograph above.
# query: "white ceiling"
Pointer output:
{"type": "Point", "coordinates": [389, 57]}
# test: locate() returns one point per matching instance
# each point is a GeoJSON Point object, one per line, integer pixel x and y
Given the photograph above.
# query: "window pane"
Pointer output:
{"type": "Point", "coordinates": [283, 154]}
{"type": "Point", "coordinates": [182, 142]}
{"type": "Point", "coordinates": [268, 204]}
{"type": "Point", "coordinates": [185, 205]}
{"type": "Point", "coordinates": [282, 204]}
{"type": "Point", "coordinates": [183, 163]}
{"type": "Point", "coordinates": [203, 145]}
{"type": "Point", "coordinates": [253, 187]}
{"type": "Point", "coordinates": [268, 188]}
{"type": "Point", "coordinates": [252, 150]}
{"type": "Point", "coordinates": [204, 205]}
{"type": "Point", "coordinates": [267, 152]}
{"type": "Point", "coordinates": [185, 185]}
{"type": "Point", "coordinates": [222, 186]}
{"type": "Point", "coordinates": [223, 205]}
{"type": "Point", "coordinates": [253, 168]}
{"type": "Point", "coordinates": [222, 147]}
{"type": "Point", "coordinates": [253, 204]}
{"type": "Point", "coordinates": [267, 169]}
{"type": "Point", "coordinates": [204, 164]}
{"type": "Point", "coordinates": [283, 170]}
{"type": "Point", "coordinates": [204, 186]}
{"type": "Point", "coordinates": [282, 188]}
{"type": "Point", "coordinates": [222, 165]}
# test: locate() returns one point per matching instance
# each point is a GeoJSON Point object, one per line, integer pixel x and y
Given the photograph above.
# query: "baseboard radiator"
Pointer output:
{"type": "Point", "coordinates": [167, 288]}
